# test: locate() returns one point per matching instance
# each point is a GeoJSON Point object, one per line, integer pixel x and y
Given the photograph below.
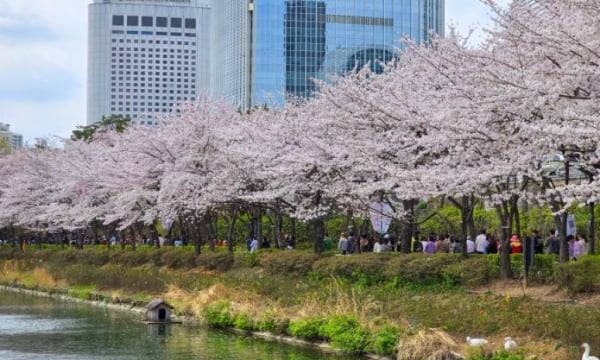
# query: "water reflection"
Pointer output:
{"type": "Point", "coordinates": [34, 328]}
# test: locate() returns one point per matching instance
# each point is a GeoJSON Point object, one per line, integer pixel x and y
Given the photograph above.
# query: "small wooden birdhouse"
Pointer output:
{"type": "Point", "coordinates": [158, 311]}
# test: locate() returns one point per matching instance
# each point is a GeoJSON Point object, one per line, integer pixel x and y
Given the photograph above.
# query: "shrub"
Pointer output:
{"type": "Point", "coordinates": [272, 323]}
{"type": "Point", "coordinates": [419, 268]}
{"type": "Point", "coordinates": [217, 315]}
{"type": "Point", "coordinates": [385, 340]}
{"type": "Point", "coordinates": [10, 253]}
{"type": "Point", "coordinates": [309, 328]}
{"type": "Point", "coordinates": [64, 258]}
{"type": "Point", "coordinates": [367, 268]}
{"type": "Point", "coordinates": [218, 261]}
{"type": "Point", "coordinates": [472, 272]}
{"type": "Point", "coordinates": [345, 333]}
{"type": "Point", "coordinates": [338, 266]}
{"type": "Point", "coordinates": [95, 257]}
{"type": "Point", "coordinates": [543, 269]}
{"type": "Point", "coordinates": [172, 258]}
{"type": "Point", "coordinates": [245, 259]}
{"type": "Point", "coordinates": [581, 275]}
{"type": "Point", "coordinates": [243, 322]}
{"type": "Point", "coordinates": [287, 262]}
{"type": "Point", "coordinates": [130, 258]}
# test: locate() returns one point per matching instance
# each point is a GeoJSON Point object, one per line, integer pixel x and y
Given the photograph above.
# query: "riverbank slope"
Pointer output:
{"type": "Point", "coordinates": [357, 304]}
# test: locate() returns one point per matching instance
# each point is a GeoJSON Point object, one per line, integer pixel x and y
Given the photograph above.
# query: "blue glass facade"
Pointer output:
{"type": "Point", "coordinates": [294, 41]}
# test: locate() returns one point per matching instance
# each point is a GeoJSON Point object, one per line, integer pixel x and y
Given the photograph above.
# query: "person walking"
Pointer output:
{"type": "Point", "coordinates": [343, 244]}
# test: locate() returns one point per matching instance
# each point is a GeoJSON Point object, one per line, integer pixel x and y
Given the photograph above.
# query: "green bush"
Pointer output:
{"type": "Point", "coordinates": [543, 269]}
{"type": "Point", "coordinates": [345, 333]}
{"type": "Point", "coordinates": [243, 322]}
{"type": "Point", "coordinates": [95, 257]}
{"type": "Point", "coordinates": [337, 266]}
{"type": "Point", "coordinates": [217, 315]}
{"type": "Point", "coordinates": [173, 258]}
{"type": "Point", "coordinates": [10, 253]}
{"type": "Point", "coordinates": [287, 262]}
{"type": "Point", "coordinates": [472, 272]}
{"type": "Point", "coordinates": [367, 268]}
{"type": "Point", "coordinates": [581, 275]}
{"type": "Point", "coordinates": [309, 328]}
{"type": "Point", "coordinates": [420, 268]}
{"type": "Point", "coordinates": [245, 259]}
{"type": "Point", "coordinates": [271, 323]}
{"type": "Point", "coordinates": [218, 261]}
{"type": "Point", "coordinates": [130, 258]}
{"type": "Point", "coordinates": [384, 340]}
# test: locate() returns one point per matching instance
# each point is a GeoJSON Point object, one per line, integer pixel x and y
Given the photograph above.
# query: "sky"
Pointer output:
{"type": "Point", "coordinates": [43, 56]}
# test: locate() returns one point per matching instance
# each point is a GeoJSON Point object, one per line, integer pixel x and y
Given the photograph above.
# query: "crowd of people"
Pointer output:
{"type": "Point", "coordinates": [484, 243]}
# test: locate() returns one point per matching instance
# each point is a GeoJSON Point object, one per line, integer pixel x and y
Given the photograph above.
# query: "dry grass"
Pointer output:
{"type": "Point", "coordinates": [11, 271]}
{"type": "Point", "coordinates": [43, 278]}
{"type": "Point", "coordinates": [192, 302]}
{"type": "Point", "coordinates": [429, 344]}
{"type": "Point", "coordinates": [337, 300]}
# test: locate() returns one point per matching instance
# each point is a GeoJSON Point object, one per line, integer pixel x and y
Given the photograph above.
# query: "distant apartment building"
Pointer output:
{"type": "Point", "coordinates": [266, 50]}
{"type": "Point", "coordinates": [146, 56]}
{"type": "Point", "coordinates": [12, 139]}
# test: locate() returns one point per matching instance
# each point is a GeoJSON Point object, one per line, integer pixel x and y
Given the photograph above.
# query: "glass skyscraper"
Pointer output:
{"type": "Point", "coordinates": [266, 50]}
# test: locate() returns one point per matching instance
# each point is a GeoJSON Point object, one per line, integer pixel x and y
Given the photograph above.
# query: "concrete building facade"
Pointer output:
{"type": "Point", "coordinates": [146, 56]}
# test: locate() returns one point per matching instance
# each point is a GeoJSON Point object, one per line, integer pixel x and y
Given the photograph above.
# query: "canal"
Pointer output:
{"type": "Point", "coordinates": [48, 329]}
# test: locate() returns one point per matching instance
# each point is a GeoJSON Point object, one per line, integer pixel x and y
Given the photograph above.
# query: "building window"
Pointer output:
{"type": "Point", "coordinates": [161, 21]}
{"type": "Point", "coordinates": [190, 23]}
{"type": "Point", "coordinates": [118, 20]}
{"type": "Point", "coordinates": [176, 22]}
{"type": "Point", "coordinates": [147, 21]}
{"type": "Point", "coordinates": [132, 20]}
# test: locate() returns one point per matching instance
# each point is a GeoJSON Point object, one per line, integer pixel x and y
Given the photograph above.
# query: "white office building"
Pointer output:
{"type": "Point", "coordinates": [146, 56]}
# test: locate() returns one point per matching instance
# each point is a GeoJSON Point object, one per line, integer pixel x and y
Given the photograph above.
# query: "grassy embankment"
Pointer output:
{"type": "Point", "coordinates": [366, 303]}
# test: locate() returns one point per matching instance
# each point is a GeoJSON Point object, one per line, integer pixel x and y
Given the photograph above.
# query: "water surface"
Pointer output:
{"type": "Point", "coordinates": [48, 329]}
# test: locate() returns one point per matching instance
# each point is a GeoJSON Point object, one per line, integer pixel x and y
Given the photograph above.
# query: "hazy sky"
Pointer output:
{"type": "Point", "coordinates": [43, 61]}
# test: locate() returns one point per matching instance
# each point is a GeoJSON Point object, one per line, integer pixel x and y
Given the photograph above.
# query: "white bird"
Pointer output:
{"type": "Point", "coordinates": [509, 343]}
{"type": "Point", "coordinates": [476, 342]}
{"type": "Point", "coordinates": [586, 353]}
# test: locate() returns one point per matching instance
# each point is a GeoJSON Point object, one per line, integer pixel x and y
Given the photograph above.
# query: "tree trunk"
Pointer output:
{"type": "Point", "coordinates": [505, 218]}
{"type": "Point", "coordinates": [319, 235]}
{"type": "Point", "coordinates": [230, 230]}
{"type": "Point", "coordinates": [560, 221]}
{"type": "Point", "coordinates": [408, 230]}
{"type": "Point", "coordinates": [466, 205]}
{"type": "Point", "coordinates": [208, 232]}
{"type": "Point", "coordinates": [132, 237]}
{"type": "Point", "coordinates": [197, 238]}
{"type": "Point", "coordinates": [154, 236]}
{"type": "Point", "coordinates": [278, 228]}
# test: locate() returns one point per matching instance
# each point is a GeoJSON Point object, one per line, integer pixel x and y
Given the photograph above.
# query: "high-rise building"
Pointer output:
{"type": "Point", "coordinates": [266, 50]}
{"type": "Point", "coordinates": [146, 56]}
{"type": "Point", "coordinates": [12, 139]}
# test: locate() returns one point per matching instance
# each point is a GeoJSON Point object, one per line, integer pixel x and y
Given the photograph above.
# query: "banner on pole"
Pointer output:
{"type": "Point", "coordinates": [380, 213]}
{"type": "Point", "coordinates": [571, 228]}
